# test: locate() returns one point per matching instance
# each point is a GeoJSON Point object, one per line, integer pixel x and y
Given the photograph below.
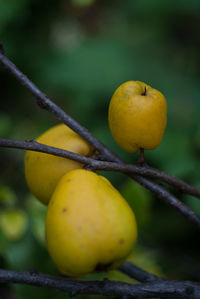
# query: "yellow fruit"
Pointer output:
{"type": "Point", "coordinates": [89, 225]}
{"type": "Point", "coordinates": [43, 171]}
{"type": "Point", "coordinates": [137, 116]}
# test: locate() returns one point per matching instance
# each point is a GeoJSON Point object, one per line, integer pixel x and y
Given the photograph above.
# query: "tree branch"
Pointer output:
{"type": "Point", "coordinates": [162, 289]}
{"type": "Point", "coordinates": [153, 173]}
{"type": "Point", "coordinates": [137, 273]}
{"type": "Point", "coordinates": [32, 145]}
{"type": "Point", "coordinates": [103, 165]}
{"type": "Point", "coordinates": [132, 170]}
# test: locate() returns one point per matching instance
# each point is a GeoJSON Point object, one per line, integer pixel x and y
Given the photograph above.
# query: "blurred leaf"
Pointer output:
{"type": "Point", "coordinates": [20, 254]}
{"type": "Point", "coordinates": [3, 242]}
{"type": "Point", "coordinates": [175, 155]}
{"type": "Point", "coordinates": [194, 204]}
{"type": "Point", "coordinates": [146, 259]}
{"type": "Point", "coordinates": [84, 64]}
{"type": "Point", "coordinates": [37, 212]}
{"type": "Point", "coordinates": [10, 10]}
{"type": "Point", "coordinates": [13, 223]}
{"type": "Point", "coordinates": [5, 125]}
{"type": "Point", "coordinates": [7, 196]}
{"type": "Point", "coordinates": [83, 2]}
{"type": "Point", "coordinates": [140, 201]}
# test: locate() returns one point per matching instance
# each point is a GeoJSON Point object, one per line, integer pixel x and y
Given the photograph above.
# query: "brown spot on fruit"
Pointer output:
{"type": "Point", "coordinates": [121, 241]}
{"type": "Point", "coordinates": [68, 180]}
{"type": "Point", "coordinates": [52, 202]}
{"type": "Point", "coordinates": [64, 210]}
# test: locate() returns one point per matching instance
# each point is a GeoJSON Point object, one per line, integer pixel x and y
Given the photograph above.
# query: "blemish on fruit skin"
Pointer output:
{"type": "Point", "coordinates": [79, 228]}
{"type": "Point", "coordinates": [52, 202]}
{"type": "Point", "coordinates": [64, 210]}
{"type": "Point", "coordinates": [68, 180]}
{"type": "Point", "coordinates": [121, 241]}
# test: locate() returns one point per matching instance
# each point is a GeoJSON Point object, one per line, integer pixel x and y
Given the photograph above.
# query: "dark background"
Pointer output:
{"type": "Point", "coordinates": [78, 52]}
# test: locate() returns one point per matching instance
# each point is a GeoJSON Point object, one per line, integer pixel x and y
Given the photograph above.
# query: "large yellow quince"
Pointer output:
{"type": "Point", "coordinates": [89, 225]}
{"type": "Point", "coordinates": [43, 171]}
{"type": "Point", "coordinates": [137, 116]}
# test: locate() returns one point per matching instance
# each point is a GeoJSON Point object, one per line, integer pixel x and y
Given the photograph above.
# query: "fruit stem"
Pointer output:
{"type": "Point", "coordinates": [141, 161]}
{"type": "Point", "coordinates": [144, 92]}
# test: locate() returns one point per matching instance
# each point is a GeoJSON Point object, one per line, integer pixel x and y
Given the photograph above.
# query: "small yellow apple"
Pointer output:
{"type": "Point", "coordinates": [137, 116]}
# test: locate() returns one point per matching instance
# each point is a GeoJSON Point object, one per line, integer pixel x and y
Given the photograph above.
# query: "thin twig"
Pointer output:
{"type": "Point", "coordinates": [162, 289]}
{"type": "Point", "coordinates": [43, 148]}
{"type": "Point", "coordinates": [137, 273]}
{"type": "Point", "coordinates": [141, 161]}
{"type": "Point", "coordinates": [103, 165]}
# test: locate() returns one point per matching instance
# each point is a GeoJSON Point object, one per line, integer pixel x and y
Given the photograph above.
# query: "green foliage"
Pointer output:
{"type": "Point", "coordinates": [140, 200]}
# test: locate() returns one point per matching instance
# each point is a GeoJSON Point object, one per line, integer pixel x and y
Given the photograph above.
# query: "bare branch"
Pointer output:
{"type": "Point", "coordinates": [104, 165]}
{"type": "Point", "coordinates": [152, 173]}
{"type": "Point", "coordinates": [32, 145]}
{"type": "Point", "coordinates": [162, 289]}
{"type": "Point", "coordinates": [137, 273]}
{"type": "Point", "coordinates": [132, 170]}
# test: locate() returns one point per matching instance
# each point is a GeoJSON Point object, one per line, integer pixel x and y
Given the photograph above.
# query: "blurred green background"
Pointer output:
{"type": "Point", "coordinates": [78, 52]}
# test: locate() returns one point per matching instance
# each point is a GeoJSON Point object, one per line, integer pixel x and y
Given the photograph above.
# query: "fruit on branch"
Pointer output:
{"type": "Point", "coordinates": [137, 116]}
{"type": "Point", "coordinates": [89, 225]}
{"type": "Point", "coordinates": [43, 171]}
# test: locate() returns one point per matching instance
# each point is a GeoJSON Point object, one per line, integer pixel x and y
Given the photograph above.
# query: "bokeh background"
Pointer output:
{"type": "Point", "coordinates": [78, 52]}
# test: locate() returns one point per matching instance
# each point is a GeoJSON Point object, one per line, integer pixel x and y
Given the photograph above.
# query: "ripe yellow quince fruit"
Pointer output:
{"type": "Point", "coordinates": [137, 116]}
{"type": "Point", "coordinates": [43, 171]}
{"type": "Point", "coordinates": [89, 225]}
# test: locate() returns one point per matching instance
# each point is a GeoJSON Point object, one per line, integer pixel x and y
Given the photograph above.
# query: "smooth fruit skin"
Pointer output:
{"type": "Point", "coordinates": [89, 225]}
{"type": "Point", "coordinates": [43, 171]}
{"type": "Point", "coordinates": [137, 116]}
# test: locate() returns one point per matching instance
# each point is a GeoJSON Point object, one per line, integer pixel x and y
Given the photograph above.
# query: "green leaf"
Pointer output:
{"type": "Point", "coordinates": [194, 204]}
{"type": "Point", "coordinates": [7, 196]}
{"type": "Point", "coordinates": [11, 10]}
{"type": "Point", "coordinates": [140, 201]}
{"type": "Point", "coordinates": [175, 155]}
{"type": "Point", "coordinates": [147, 259]}
{"type": "Point", "coordinates": [83, 2]}
{"type": "Point", "coordinates": [5, 125]}
{"type": "Point", "coordinates": [37, 213]}
{"type": "Point", "coordinates": [13, 223]}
